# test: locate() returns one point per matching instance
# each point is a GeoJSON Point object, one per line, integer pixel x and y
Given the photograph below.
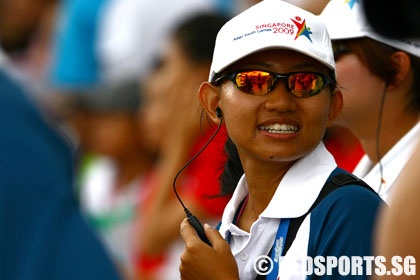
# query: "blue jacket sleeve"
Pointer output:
{"type": "Point", "coordinates": [43, 235]}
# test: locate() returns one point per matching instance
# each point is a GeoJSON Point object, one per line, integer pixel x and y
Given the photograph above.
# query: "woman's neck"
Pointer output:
{"type": "Point", "coordinates": [262, 184]}
{"type": "Point", "coordinates": [391, 131]}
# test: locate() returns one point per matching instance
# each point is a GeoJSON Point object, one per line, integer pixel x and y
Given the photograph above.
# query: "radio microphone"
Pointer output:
{"type": "Point", "coordinates": [193, 220]}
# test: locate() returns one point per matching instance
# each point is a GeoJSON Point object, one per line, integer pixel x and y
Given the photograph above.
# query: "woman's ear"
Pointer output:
{"type": "Point", "coordinates": [336, 106]}
{"type": "Point", "coordinates": [208, 95]}
{"type": "Point", "coordinates": [401, 64]}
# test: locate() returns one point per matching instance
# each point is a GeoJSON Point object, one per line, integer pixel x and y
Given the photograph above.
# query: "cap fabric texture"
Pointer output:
{"type": "Point", "coordinates": [271, 24]}
{"type": "Point", "coordinates": [345, 19]}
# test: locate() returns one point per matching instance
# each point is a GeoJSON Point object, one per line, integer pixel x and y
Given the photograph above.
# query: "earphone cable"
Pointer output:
{"type": "Point", "coordinates": [378, 132]}
{"type": "Point", "coordinates": [187, 212]}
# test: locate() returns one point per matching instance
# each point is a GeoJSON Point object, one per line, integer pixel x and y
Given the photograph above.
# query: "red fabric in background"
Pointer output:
{"type": "Point", "coordinates": [345, 147]}
{"type": "Point", "coordinates": [202, 175]}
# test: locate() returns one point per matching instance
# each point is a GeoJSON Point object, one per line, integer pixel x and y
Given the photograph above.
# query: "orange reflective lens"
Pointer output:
{"type": "Point", "coordinates": [300, 84]}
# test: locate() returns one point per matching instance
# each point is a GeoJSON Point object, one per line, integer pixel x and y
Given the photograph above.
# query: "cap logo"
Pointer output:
{"type": "Point", "coordinates": [303, 30]}
{"type": "Point", "coordinates": [351, 3]}
{"type": "Point", "coordinates": [281, 28]}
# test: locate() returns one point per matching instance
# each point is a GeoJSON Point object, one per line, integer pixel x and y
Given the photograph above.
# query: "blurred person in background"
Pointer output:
{"type": "Point", "coordinates": [19, 22]}
{"type": "Point", "coordinates": [132, 33]}
{"type": "Point", "coordinates": [103, 42]}
{"type": "Point", "coordinates": [79, 73]}
{"type": "Point", "coordinates": [75, 62]}
{"type": "Point", "coordinates": [25, 31]}
{"type": "Point", "coordinates": [398, 228]}
{"type": "Point", "coordinates": [379, 80]}
{"type": "Point", "coordinates": [172, 122]}
{"type": "Point", "coordinates": [26, 34]}
{"type": "Point", "coordinates": [116, 162]}
{"type": "Point", "coordinates": [43, 234]}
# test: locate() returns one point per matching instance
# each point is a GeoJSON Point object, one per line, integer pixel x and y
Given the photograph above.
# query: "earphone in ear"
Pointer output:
{"type": "Point", "coordinates": [219, 112]}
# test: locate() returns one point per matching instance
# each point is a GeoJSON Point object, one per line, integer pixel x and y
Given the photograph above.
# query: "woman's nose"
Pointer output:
{"type": "Point", "coordinates": [279, 98]}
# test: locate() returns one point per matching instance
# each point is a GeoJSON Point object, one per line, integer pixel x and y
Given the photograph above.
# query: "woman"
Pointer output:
{"type": "Point", "coordinates": [272, 83]}
{"type": "Point", "coordinates": [169, 122]}
{"type": "Point", "coordinates": [380, 85]}
{"type": "Point", "coordinates": [115, 164]}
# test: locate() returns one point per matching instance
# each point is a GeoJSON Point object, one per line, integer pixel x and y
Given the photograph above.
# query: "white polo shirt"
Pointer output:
{"type": "Point", "coordinates": [392, 164]}
{"type": "Point", "coordinates": [294, 196]}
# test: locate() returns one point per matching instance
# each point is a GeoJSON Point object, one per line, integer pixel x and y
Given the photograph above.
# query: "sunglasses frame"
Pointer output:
{"type": "Point", "coordinates": [276, 76]}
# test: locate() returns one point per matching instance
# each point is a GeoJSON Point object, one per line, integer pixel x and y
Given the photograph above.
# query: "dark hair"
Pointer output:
{"type": "Point", "coordinates": [120, 96]}
{"type": "Point", "coordinates": [376, 56]}
{"type": "Point", "coordinates": [197, 35]}
{"type": "Point", "coordinates": [233, 169]}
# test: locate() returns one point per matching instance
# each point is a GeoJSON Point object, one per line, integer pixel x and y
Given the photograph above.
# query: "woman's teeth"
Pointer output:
{"type": "Point", "coordinates": [279, 128]}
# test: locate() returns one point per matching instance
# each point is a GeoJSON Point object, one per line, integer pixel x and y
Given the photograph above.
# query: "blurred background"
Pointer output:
{"type": "Point", "coordinates": [118, 79]}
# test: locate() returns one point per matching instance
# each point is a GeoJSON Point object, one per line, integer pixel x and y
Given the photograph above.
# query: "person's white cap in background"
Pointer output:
{"type": "Point", "coordinates": [271, 24]}
{"type": "Point", "coordinates": [345, 19]}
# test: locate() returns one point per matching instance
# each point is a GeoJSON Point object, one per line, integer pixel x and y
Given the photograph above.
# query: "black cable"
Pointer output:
{"type": "Point", "coordinates": [378, 132]}
{"type": "Point", "coordinates": [189, 162]}
{"type": "Point", "coordinates": [191, 218]}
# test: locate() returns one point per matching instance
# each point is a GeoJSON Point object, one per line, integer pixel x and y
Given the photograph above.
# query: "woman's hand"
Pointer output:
{"type": "Point", "coordinates": [199, 261]}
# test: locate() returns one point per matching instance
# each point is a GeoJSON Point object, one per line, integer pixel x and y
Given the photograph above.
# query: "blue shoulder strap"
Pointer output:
{"type": "Point", "coordinates": [218, 225]}
{"type": "Point", "coordinates": [338, 178]}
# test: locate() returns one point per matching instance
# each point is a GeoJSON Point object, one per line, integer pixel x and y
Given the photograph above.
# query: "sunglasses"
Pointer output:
{"type": "Point", "coordinates": [257, 82]}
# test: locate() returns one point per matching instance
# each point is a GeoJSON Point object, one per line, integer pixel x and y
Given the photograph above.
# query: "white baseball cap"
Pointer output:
{"type": "Point", "coordinates": [347, 20]}
{"type": "Point", "coordinates": [271, 24]}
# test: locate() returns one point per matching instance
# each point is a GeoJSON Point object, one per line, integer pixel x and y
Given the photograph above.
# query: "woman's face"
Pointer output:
{"type": "Point", "coordinates": [303, 121]}
{"type": "Point", "coordinates": [362, 91]}
{"type": "Point", "coordinates": [170, 92]}
{"type": "Point", "coordinates": [111, 133]}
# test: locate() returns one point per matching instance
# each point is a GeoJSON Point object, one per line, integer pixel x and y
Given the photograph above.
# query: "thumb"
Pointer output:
{"type": "Point", "coordinates": [213, 235]}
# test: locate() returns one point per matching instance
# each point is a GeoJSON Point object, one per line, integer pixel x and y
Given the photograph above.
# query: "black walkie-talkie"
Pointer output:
{"type": "Point", "coordinates": [191, 218]}
{"type": "Point", "coordinates": [197, 226]}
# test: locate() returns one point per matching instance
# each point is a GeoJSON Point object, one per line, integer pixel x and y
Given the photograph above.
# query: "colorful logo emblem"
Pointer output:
{"type": "Point", "coordinates": [351, 3]}
{"type": "Point", "coordinates": [303, 30]}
